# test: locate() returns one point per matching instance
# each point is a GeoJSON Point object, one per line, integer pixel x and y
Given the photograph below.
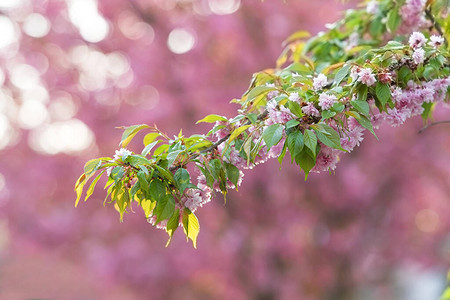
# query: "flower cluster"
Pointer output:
{"type": "Point", "coordinates": [412, 15]}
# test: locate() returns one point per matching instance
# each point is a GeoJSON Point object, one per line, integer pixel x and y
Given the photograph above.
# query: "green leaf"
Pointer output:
{"type": "Point", "coordinates": [92, 166]}
{"type": "Point", "coordinates": [130, 132]}
{"type": "Point", "coordinates": [295, 108]}
{"type": "Point", "coordinates": [157, 189]}
{"type": "Point", "coordinates": [122, 201]}
{"type": "Point", "coordinates": [292, 123]}
{"type": "Point", "coordinates": [259, 90]}
{"type": "Point", "coordinates": [164, 209]}
{"type": "Point", "coordinates": [172, 225]}
{"type": "Point", "coordinates": [330, 138]}
{"type": "Point", "coordinates": [149, 148]}
{"type": "Point", "coordinates": [252, 117]}
{"type": "Point", "coordinates": [166, 174]}
{"type": "Point", "coordinates": [232, 173]}
{"type": "Point", "coordinates": [117, 173]}
{"type": "Point", "coordinates": [341, 74]}
{"type": "Point", "coordinates": [182, 179]}
{"type": "Point", "coordinates": [307, 161]}
{"type": "Point", "coordinates": [150, 137]}
{"type": "Point", "coordinates": [79, 185]}
{"type": "Point", "coordinates": [428, 110]}
{"type": "Point", "coordinates": [217, 169]}
{"type": "Point", "coordinates": [272, 135]}
{"type": "Point", "coordinates": [326, 114]}
{"type": "Point", "coordinates": [393, 20]}
{"type": "Point", "coordinates": [143, 182]}
{"type": "Point", "coordinates": [237, 132]}
{"type": "Point", "coordinates": [172, 156]}
{"type": "Point", "coordinates": [212, 118]}
{"type": "Point", "coordinates": [91, 188]}
{"type": "Point", "coordinates": [376, 27]}
{"type": "Point", "coordinates": [310, 140]}
{"type": "Point", "coordinates": [361, 106]}
{"type": "Point", "coordinates": [338, 107]}
{"type": "Point", "coordinates": [161, 149]}
{"type": "Point", "coordinates": [362, 92]}
{"type": "Point", "coordinates": [295, 144]}
{"type": "Point", "coordinates": [366, 123]}
{"type": "Point", "coordinates": [247, 146]}
{"type": "Point", "coordinates": [383, 93]}
{"type": "Point", "coordinates": [148, 206]}
{"type": "Point", "coordinates": [446, 294]}
{"type": "Point", "coordinates": [191, 226]}
{"type": "Point", "coordinates": [301, 34]}
{"type": "Point", "coordinates": [282, 155]}
{"type": "Point", "coordinates": [404, 74]}
{"type": "Point", "coordinates": [137, 160]}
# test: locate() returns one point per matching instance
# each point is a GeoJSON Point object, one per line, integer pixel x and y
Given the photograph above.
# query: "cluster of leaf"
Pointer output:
{"type": "Point", "coordinates": [158, 178]}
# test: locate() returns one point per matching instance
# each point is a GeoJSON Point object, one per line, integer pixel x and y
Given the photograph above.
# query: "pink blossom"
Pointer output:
{"type": "Point", "coordinates": [205, 191]}
{"type": "Point", "coordinates": [294, 97]}
{"type": "Point", "coordinates": [377, 119]}
{"type": "Point", "coordinates": [326, 101]}
{"type": "Point", "coordinates": [366, 76]}
{"type": "Point", "coordinates": [327, 159]}
{"type": "Point", "coordinates": [223, 132]}
{"type": "Point", "coordinates": [160, 225]}
{"type": "Point", "coordinates": [319, 82]}
{"type": "Point", "coordinates": [436, 41]}
{"type": "Point", "coordinates": [354, 73]}
{"type": "Point", "coordinates": [397, 117]}
{"type": "Point", "coordinates": [276, 150]}
{"type": "Point", "coordinates": [192, 199]}
{"type": "Point", "coordinates": [372, 7]}
{"type": "Point", "coordinates": [311, 110]}
{"type": "Point", "coordinates": [122, 153]}
{"type": "Point", "coordinates": [352, 41]}
{"type": "Point", "coordinates": [278, 114]}
{"type": "Point", "coordinates": [417, 40]}
{"type": "Point", "coordinates": [352, 139]}
{"type": "Point", "coordinates": [427, 95]}
{"type": "Point", "coordinates": [386, 77]}
{"type": "Point", "coordinates": [412, 15]}
{"type": "Point", "coordinates": [418, 56]}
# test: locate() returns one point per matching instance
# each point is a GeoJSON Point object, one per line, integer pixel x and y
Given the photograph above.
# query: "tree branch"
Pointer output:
{"type": "Point", "coordinates": [432, 124]}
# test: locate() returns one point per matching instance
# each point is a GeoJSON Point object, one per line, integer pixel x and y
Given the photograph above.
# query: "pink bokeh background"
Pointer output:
{"type": "Point", "coordinates": [376, 229]}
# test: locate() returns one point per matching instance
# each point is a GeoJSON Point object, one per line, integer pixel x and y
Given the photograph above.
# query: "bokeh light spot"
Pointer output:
{"type": "Point", "coordinates": [8, 32]}
{"type": "Point", "coordinates": [180, 41]}
{"type": "Point", "coordinates": [32, 114]}
{"type": "Point", "coordinates": [5, 131]}
{"type": "Point", "coordinates": [427, 220]}
{"type": "Point", "coordinates": [36, 25]}
{"type": "Point", "coordinates": [224, 7]}
{"type": "Point", "coordinates": [117, 64]}
{"type": "Point", "coordinates": [10, 4]}
{"type": "Point", "coordinates": [134, 29]}
{"type": "Point", "coordinates": [24, 76]}
{"type": "Point", "coordinates": [69, 137]}
{"type": "Point", "coordinates": [62, 107]}
{"type": "Point", "coordinates": [85, 16]}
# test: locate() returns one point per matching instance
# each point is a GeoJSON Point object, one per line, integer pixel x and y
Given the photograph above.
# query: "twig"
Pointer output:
{"type": "Point", "coordinates": [217, 144]}
{"type": "Point", "coordinates": [432, 124]}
